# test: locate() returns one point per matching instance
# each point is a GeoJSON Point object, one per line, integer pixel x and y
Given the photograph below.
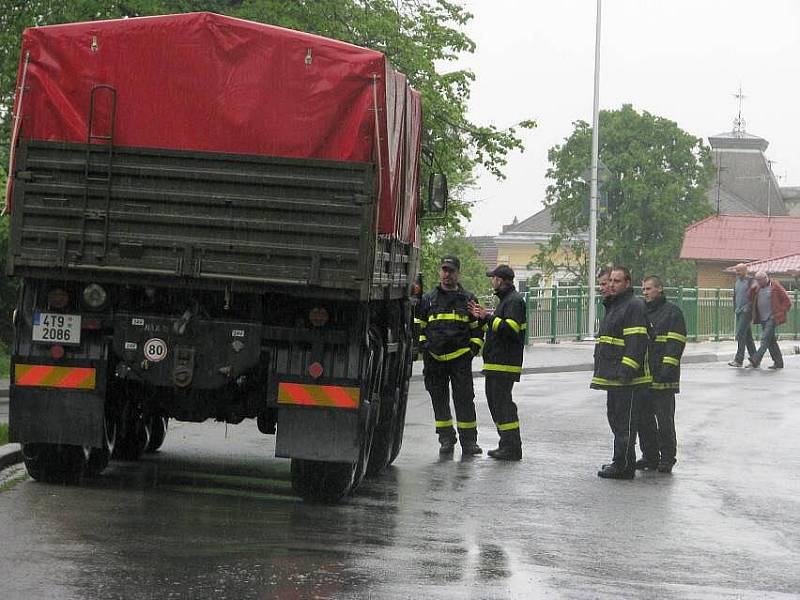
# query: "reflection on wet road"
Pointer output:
{"type": "Point", "coordinates": [212, 515]}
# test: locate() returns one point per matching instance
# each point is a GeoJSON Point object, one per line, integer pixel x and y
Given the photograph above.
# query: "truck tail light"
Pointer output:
{"type": "Point", "coordinates": [57, 351]}
{"type": "Point", "coordinates": [57, 298]}
{"type": "Point", "coordinates": [315, 370]}
{"type": "Point", "coordinates": [318, 316]}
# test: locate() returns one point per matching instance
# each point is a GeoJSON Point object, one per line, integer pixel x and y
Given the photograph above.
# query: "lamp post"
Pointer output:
{"type": "Point", "coordinates": [593, 192]}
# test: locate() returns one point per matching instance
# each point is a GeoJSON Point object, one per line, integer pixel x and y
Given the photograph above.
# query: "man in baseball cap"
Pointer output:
{"type": "Point", "coordinates": [450, 337]}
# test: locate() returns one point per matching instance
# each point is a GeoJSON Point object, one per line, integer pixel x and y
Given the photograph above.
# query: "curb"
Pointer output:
{"type": "Point", "coordinates": [10, 454]}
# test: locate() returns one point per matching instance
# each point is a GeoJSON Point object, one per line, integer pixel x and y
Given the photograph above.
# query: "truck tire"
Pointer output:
{"type": "Point", "coordinates": [133, 434]}
{"type": "Point", "coordinates": [329, 482]}
{"type": "Point", "coordinates": [55, 463]}
{"type": "Point", "coordinates": [402, 407]}
{"type": "Point", "coordinates": [158, 432]}
{"type": "Point", "coordinates": [383, 438]}
{"type": "Point", "coordinates": [99, 457]}
{"type": "Point", "coordinates": [325, 482]}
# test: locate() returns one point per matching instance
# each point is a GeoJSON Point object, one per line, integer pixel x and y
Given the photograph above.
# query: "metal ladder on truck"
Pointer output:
{"type": "Point", "coordinates": [98, 168]}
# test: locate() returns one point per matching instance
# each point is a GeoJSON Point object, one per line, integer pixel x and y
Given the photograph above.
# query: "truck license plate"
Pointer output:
{"type": "Point", "coordinates": [56, 328]}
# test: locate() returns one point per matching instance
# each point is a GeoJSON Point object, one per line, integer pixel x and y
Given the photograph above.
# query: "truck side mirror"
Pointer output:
{"type": "Point", "coordinates": [436, 201]}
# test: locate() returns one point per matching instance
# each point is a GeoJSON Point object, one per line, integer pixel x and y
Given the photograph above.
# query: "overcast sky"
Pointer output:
{"type": "Point", "coordinates": [679, 59]}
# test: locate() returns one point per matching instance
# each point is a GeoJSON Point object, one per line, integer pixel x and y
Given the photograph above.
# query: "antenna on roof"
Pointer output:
{"type": "Point", "coordinates": [739, 122]}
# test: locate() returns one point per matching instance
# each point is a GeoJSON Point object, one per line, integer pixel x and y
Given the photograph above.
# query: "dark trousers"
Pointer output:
{"type": "Point", "coordinates": [622, 407]}
{"type": "Point", "coordinates": [657, 439]}
{"type": "Point", "coordinates": [439, 377]}
{"type": "Point", "coordinates": [744, 336]}
{"type": "Point", "coordinates": [503, 409]}
{"type": "Point", "coordinates": [769, 341]}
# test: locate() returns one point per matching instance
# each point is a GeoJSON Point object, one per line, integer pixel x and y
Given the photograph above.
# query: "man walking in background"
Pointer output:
{"type": "Point", "coordinates": [667, 329]}
{"type": "Point", "coordinates": [743, 311]}
{"type": "Point", "coordinates": [770, 305]}
{"type": "Point", "coordinates": [449, 339]}
{"type": "Point", "coordinates": [502, 359]}
{"type": "Point", "coordinates": [620, 369]}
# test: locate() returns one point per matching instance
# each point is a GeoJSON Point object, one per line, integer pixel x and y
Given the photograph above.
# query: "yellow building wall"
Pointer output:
{"type": "Point", "coordinates": [518, 255]}
{"type": "Point", "coordinates": [521, 254]}
{"type": "Point", "coordinates": [712, 275]}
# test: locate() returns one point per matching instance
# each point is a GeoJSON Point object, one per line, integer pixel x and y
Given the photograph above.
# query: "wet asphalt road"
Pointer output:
{"type": "Point", "coordinates": [212, 515]}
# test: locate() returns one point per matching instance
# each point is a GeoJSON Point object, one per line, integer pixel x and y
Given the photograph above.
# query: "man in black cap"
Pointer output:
{"type": "Point", "coordinates": [502, 358]}
{"type": "Point", "coordinates": [449, 339]}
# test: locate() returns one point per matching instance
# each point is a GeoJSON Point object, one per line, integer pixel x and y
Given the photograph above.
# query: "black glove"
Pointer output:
{"type": "Point", "coordinates": [625, 374]}
{"type": "Point", "coordinates": [667, 372]}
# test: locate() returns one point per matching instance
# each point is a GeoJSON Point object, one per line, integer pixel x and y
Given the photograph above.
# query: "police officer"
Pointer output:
{"type": "Point", "coordinates": [621, 369]}
{"type": "Point", "coordinates": [450, 336]}
{"type": "Point", "coordinates": [667, 330]}
{"type": "Point", "coordinates": [502, 359]}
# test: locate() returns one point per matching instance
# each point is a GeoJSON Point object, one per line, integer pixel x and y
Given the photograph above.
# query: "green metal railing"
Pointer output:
{"type": "Point", "coordinates": [560, 313]}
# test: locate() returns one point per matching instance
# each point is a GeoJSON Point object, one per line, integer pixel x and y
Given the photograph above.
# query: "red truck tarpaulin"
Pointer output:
{"type": "Point", "coordinates": [205, 82]}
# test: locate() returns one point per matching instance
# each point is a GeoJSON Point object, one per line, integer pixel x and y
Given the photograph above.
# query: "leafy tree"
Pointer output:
{"type": "Point", "coordinates": [659, 177]}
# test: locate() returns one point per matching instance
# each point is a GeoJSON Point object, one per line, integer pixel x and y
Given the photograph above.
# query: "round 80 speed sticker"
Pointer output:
{"type": "Point", "coordinates": [155, 349]}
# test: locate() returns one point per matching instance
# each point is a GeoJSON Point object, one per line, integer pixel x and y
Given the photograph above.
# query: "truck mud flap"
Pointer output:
{"type": "Point", "coordinates": [56, 416]}
{"type": "Point", "coordinates": [316, 433]}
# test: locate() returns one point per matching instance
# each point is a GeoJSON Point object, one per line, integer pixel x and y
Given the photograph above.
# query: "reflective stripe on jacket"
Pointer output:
{"type": "Point", "coordinates": [620, 352]}
{"type": "Point", "coordinates": [667, 341]}
{"type": "Point", "coordinates": [447, 330]}
{"type": "Point", "coordinates": [505, 335]}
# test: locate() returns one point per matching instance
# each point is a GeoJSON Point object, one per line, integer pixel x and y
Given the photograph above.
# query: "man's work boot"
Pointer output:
{"type": "Point", "coordinates": [506, 453]}
{"type": "Point", "coordinates": [616, 472]}
{"type": "Point", "coordinates": [470, 449]}
{"type": "Point", "coordinates": [734, 363]}
{"type": "Point", "coordinates": [645, 464]}
{"type": "Point", "coordinates": [446, 445]}
{"type": "Point", "coordinates": [665, 466]}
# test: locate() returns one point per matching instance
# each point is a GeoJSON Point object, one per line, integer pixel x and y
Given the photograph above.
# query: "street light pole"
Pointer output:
{"type": "Point", "coordinates": [593, 192]}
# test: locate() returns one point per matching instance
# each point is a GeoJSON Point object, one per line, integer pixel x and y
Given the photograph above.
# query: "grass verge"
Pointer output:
{"type": "Point", "coordinates": [3, 433]}
{"type": "Point", "coordinates": [5, 361]}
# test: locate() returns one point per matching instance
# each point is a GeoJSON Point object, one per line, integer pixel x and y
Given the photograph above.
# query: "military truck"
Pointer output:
{"type": "Point", "coordinates": [211, 219]}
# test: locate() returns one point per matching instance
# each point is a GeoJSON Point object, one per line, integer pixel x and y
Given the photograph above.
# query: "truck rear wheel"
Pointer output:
{"type": "Point", "coordinates": [383, 438]}
{"type": "Point", "coordinates": [99, 457]}
{"type": "Point", "coordinates": [55, 463]}
{"type": "Point", "coordinates": [322, 481]}
{"type": "Point", "coordinates": [133, 434]}
{"type": "Point", "coordinates": [158, 432]}
{"type": "Point", "coordinates": [402, 407]}
{"type": "Point", "coordinates": [327, 481]}
{"type": "Point", "coordinates": [400, 424]}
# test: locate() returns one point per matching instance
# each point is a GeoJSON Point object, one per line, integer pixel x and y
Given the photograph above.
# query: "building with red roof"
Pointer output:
{"type": "Point", "coordinates": [756, 218]}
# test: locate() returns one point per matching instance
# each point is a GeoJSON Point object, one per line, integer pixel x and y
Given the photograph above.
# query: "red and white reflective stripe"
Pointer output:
{"type": "Point", "coordinates": [81, 378]}
{"type": "Point", "coordinates": [318, 395]}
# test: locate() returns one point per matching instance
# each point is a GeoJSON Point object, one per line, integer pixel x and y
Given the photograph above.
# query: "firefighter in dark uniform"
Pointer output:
{"type": "Point", "coordinates": [620, 368]}
{"type": "Point", "coordinates": [502, 359]}
{"type": "Point", "coordinates": [667, 328]}
{"type": "Point", "coordinates": [450, 337]}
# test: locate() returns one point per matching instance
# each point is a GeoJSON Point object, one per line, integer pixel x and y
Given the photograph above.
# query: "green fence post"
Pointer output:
{"type": "Point", "coordinates": [553, 315]}
{"type": "Point", "coordinates": [716, 315]}
{"type": "Point", "coordinates": [579, 315]}
{"type": "Point", "coordinates": [525, 298]}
